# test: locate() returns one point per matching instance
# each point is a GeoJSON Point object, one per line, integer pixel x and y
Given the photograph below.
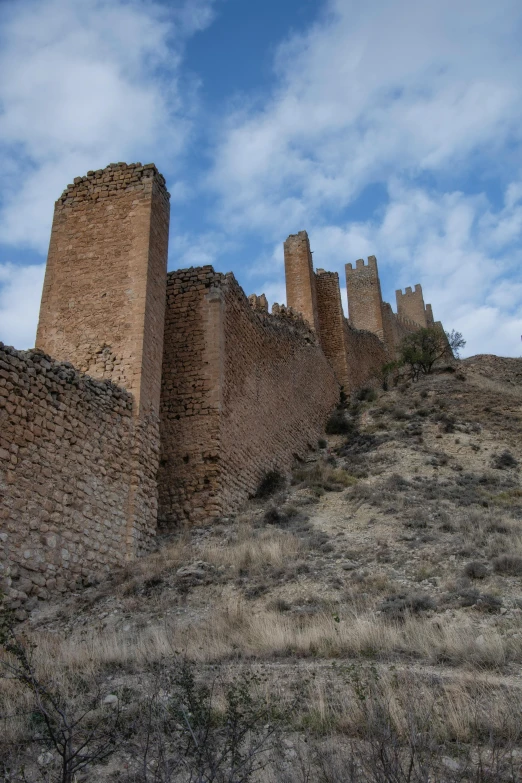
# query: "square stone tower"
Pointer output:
{"type": "Point", "coordinates": [103, 308]}
{"type": "Point", "coordinates": [410, 305]}
{"type": "Point", "coordinates": [364, 296]}
{"type": "Point", "coordinates": [103, 302]}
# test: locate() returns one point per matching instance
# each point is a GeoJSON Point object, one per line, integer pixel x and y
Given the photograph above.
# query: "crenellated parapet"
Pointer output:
{"type": "Point", "coordinates": [317, 296]}
{"type": "Point", "coordinates": [364, 296]}
{"type": "Point", "coordinates": [410, 305]}
{"type": "Point", "coordinates": [113, 182]}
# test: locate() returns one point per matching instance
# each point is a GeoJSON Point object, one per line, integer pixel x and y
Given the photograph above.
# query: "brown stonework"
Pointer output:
{"type": "Point", "coordinates": [238, 392]}
{"type": "Point", "coordinates": [301, 295]}
{"type": "Point", "coordinates": [188, 477]}
{"type": "Point", "coordinates": [278, 389]}
{"type": "Point", "coordinates": [103, 300]}
{"type": "Point", "coordinates": [396, 328]}
{"type": "Point", "coordinates": [244, 392]}
{"type": "Point", "coordinates": [366, 355]}
{"type": "Point", "coordinates": [364, 296]}
{"type": "Point", "coordinates": [410, 306]}
{"type": "Point", "coordinates": [68, 447]}
{"type": "Point", "coordinates": [331, 324]}
{"type": "Point", "coordinates": [258, 302]}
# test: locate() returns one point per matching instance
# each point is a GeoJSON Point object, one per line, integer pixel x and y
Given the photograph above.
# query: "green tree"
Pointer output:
{"type": "Point", "coordinates": [420, 350]}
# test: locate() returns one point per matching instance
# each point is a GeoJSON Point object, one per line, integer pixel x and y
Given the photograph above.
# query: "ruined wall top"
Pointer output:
{"type": "Point", "coordinates": [111, 182]}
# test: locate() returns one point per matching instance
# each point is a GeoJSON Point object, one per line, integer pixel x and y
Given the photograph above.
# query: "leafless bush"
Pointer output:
{"type": "Point", "coordinates": [504, 461]}
{"type": "Point", "coordinates": [508, 564]}
{"type": "Point", "coordinates": [397, 606]}
{"type": "Point", "coordinates": [197, 731]}
{"type": "Point", "coordinates": [475, 570]}
{"type": "Point", "coordinates": [75, 730]}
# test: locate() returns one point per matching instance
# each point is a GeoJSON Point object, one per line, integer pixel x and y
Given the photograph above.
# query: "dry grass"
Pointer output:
{"type": "Point", "coordinates": [456, 709]}
{"type": "Point", "coordinates": [300, 589]}
{"type": "Point", "coordinates": [255, 551]}
{"type": "Point", "coordinates": [321, 475]}
{"type": "Point", "coordinates": [234, 631]}
{"type": "Point", "coordinates": [352, 700]}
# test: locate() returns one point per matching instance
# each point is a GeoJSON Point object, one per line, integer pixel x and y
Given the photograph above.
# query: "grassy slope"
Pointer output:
{"type": "Point", "coordinates": [395, 555]}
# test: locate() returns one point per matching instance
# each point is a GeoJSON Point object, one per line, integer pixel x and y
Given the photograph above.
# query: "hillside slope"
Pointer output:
{"type": "Point", "coordinates": [383, 586]}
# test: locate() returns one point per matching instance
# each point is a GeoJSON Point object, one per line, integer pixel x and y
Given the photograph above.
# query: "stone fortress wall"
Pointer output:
{"type": "Point", "coordinates": [244, 393]}
{"type": "Point", "coordinates": [77, 476]}
{"type": "Point", "coordinates": [157, 399]}
{"type": "Point", "coordinates": [356, 347]}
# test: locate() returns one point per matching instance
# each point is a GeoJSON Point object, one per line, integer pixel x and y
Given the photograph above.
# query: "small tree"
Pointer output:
{"type": "Point", "coordinates": [423, 348]}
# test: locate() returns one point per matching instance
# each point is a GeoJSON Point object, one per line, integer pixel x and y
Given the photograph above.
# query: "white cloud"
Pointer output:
{"type": "Point", "coordinates": [394, 93]}
{"type": "Point", "coordinates": [373, 91]}
{"type": "Point", "coordinates": [84, 84]}
{"type": "Point", "coordinates": [206, 247]}
{"type": "Point", "coordinates": [20, 292]}
{"type": "Point", "coordinates": [431, 238]}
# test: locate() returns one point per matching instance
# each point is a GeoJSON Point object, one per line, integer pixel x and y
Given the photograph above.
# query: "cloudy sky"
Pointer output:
{"type": "Point", "coordinates": [382, 128]}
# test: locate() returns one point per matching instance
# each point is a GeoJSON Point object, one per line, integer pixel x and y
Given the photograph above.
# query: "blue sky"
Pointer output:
{"type": "Point", "coordinates": [392, 129]}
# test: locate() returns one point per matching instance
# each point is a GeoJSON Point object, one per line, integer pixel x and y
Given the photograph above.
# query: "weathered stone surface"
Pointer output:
{"type": "Point", "coordinates": [103, 302]}
{"type": "Point", "coordinates": [234, 391]}
{"type": "Point", "coordinates": [80, 454]}
{"type": "Point", "coordinates": [243, 393]}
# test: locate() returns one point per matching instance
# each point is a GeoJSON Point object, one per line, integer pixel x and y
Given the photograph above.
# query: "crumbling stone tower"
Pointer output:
{"type": "Point", "coordinates": [301, 294]}
{"type": "Point", "coordinates": [103, 302]}
{"type": "Point", "coordinates": [364, 296]}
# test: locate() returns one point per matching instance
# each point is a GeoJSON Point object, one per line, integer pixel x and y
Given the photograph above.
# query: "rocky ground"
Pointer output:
{"type": "Point", "coordinates": [377, 597]}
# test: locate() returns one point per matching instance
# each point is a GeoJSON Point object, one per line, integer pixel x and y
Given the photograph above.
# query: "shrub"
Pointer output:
{"type": "Point", "coordinates": [272, 482]}
{"type": "Point", "coordinates": [320, 477]}
{"type": "Point", "coordinates": [279, 605]}
{"type": "Point", "coordinates": [508, 564]}
{"type": "Point", "coordinates": [398, 605]}
{"type": "Point", "coordinates": [284, 516]}
{"type": "Point", "coordinates": [366, 394]}
{"type": "Point", "coordinates": [420, 350]}
{"type": "Point", "coordinates": [400, 414]}
{"type": "Point", "coordinates": [397, 483]}
{"type": "Point", "coordinates": [484, 602]}
{"type": "Point", "coordinates": [504, 461]}
{"type": "Point", "coordinates": [487, 602]}
{"type": "Point", "coordinates": [475, 570]}
{"type": "Point", "coordinates": [339, 423]}
{"type": "Point", "coordinates": [322, 443]}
